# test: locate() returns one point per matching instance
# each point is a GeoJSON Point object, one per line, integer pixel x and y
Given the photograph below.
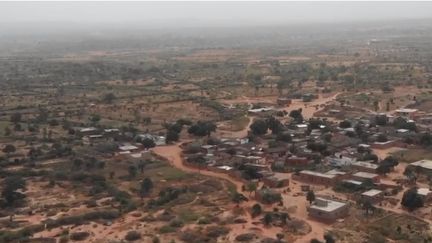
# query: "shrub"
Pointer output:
{"type": "Point", "coordinates": [176, 223]}
{"type": "Point", "coordinates": [79, 236]}
{"type": "Point", "coordinates": [216, 231]}
{"type": "Point", "coordinates": [132, 236]}
{"type": "Point", "coordinates": [245, 237]}
{"type": "Point", "coordinates": [166, 229]}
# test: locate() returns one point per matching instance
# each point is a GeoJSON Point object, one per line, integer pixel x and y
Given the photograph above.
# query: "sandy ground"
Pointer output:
{"type": "Point", "coordinates": [299, 203]}
{"type": "Point", "coordinates": [309, 108]}
{"type": "Point", "coordinates": [173, 154]}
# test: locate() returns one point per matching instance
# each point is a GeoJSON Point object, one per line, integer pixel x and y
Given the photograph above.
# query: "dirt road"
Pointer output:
{"type": "Point", "coordinates": [173, 154]}
{"type": "Point", "coordinates": [309, 108]}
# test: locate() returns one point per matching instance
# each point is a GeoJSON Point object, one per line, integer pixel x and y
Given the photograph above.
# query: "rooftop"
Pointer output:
{"type": "Point", "coordinates": [261, 109]}
{"type": "Point", "coordinates": [406, 110]}
{"type": "Point", "coordinates": [371, 192]}
{"type": "Point", "coordinates": [280, 176]}
{"type": "Point", "coordinates": [88, 129]}
{"type": "Point", "coordinates": [358, 183]}
{"type": "Point", "coordinates": [423, 191]}
{"type": "Point", "coordinates": [365, 175]}
{"type": "Point", "coordinates": [402, 130]}
{"type": "Point", "coordinates": [314, 173]}
{"type": "Point", "coordinates": [335, 172]}
{"type": "Point", "coordinates": [327, 205]}
{"type": "Point", "coordinates": [225, 167]}
{"type": "Point", "coordinates": [427, 164]}
{"type": "Point", "coordinates": [386, 142]}
{"type": "Point", "coordinates": [365, 164]}
{"type": "Point", "coordinates": [128, 147]}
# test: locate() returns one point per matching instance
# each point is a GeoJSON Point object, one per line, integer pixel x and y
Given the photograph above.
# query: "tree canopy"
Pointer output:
{"type": "Point", "coordinates": [411, 199]}
{"type": "Point", "coordinates": [259, 127]}
{"type": "Point", "coordinates": [202, 128]}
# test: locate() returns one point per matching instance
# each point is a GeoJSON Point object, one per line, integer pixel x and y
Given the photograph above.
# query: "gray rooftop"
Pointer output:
{"type": "Point", "coordinates": [327, 205]}
{"type": "Point", "coordinates": [371, 192]}
{"type": "Point", "coordinates": [427, 164]}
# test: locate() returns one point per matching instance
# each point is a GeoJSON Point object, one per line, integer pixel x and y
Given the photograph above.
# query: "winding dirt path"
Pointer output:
{"type": "Point", "coordinates": [173, 154]}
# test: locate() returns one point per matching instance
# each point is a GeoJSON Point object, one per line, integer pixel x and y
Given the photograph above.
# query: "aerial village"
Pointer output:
{"type": "Point", "coordinates": [200, 140]}
{"type": "Point", "coordinates": [311, 159]}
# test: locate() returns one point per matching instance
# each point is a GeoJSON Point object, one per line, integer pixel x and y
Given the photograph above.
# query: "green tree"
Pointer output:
{"type": "Point", "coordinates": [256, 210]}
{"type": "Point", "coordinates": [132, 170]}
{"type": "Point", "coordinates": [237, 198]}
{"type": "Point", "coordinates": [268, 219]}
{"type": "Point", "coordinates": [148, 143]}
{"type": "Point", "coordinates": [329, 238]}
{"type": "Point", "coordinates": [202, 128]}
{"type": "Point", "coordinates": [259, 127]}
{"type": "Point", "coordinates": [297, 115]}
{"type": "Point", "coordinates": [274, 125]}
{"type": "Point", "coordinates": [145, 187]}
{"type": "Point", "coordinates": [251, 187]}
{"type": "Point", "coordinates": [426, 139]}
{"type": "Point", "coordinates": [10, 186]}
{"type": "Point", "coordinates": [411, 199]}
{"type": "Point", "coordinates": [383, 169]}
{"type": "Point", "coordinates": [171, 136]}
{"type": "Point", "coordinates": [95, 118]}
{"type": "Point", "coordinates": [345, 124]}
{"type": "Point", "coordinates": [9, 148]}
{"type": "Point", "coordinates": [310, 196]}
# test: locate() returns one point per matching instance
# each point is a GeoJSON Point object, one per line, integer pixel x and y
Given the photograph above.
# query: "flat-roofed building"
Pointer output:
{"type": "Point", "coordinates": [388, 144]}
{"type": "Point", "coordinates": [422, 166]}
{"type": "Point", "coordinates": [317, 177]}
{"type": "Point", "coordinates": [353, 182]}
{"type": "Point", "coordinates": [366, 166]}
{"type": "Point", "coordinates": [364, 176]}
{"type": "Point", "coordinates": [327, 209]}
{"type": "Point", "coordinates": [373, 195]}
{"type": "Point", "coordinates": [425, 193]}
{"type": "Point", "coordinates": [276, 180]}
{"type": "Point", "coordinates": [128, 147]}
{"type": "Point", "coordinates": [407, 113]}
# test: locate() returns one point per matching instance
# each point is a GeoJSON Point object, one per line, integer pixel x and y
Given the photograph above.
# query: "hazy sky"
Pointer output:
{"type": "Point", "coordinates": [231, 13]}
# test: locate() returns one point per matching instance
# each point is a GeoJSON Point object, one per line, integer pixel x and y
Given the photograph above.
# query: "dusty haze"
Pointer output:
{"type": "Point", "coordinates": [176, 14]}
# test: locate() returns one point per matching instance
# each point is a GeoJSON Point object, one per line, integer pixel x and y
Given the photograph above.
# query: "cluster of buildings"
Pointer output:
{"type": "Point", "coordinates": [127, 144]}
{"type": "Point", "coordinates": [342, 161]}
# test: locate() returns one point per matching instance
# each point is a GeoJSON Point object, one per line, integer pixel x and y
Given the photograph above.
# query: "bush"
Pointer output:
{"type": "Point", "coordinates": [166, 229]}
{"type": "Point", "coordinates": [204, 220]}
{"type": "Point", "coordinates": [245, 237]}
{"type": "Point", "coordinates": [176, 223]}
{"type": "Point", "coordinates": [79, 236]}
{"type": "Point", "coordinates": [132, 236]}
{"type": "Point", "coordinates": [216, 231]}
